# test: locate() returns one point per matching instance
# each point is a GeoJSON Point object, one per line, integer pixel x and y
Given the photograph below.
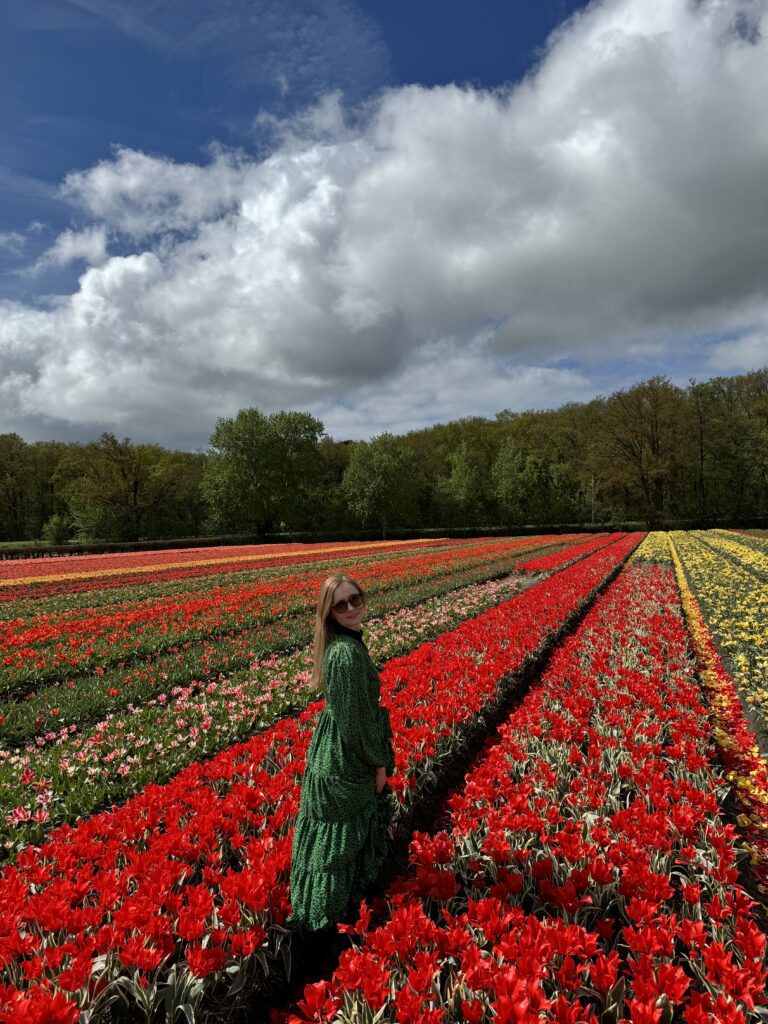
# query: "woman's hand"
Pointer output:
{"type": "Point", "coordinates": [381, 779]}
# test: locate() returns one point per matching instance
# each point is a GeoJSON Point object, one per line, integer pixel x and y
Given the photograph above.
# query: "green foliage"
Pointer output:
{"type": "Point", "coordinates": [459, 494]}
{"type": "Point", "coordinates": [113, 487]}
{"type": "Point", "coordinates": [13, 464]}
{"type": "Point", "coordinates": [508, 483]}
{"type": "Point", "coordinates": [379, 485]}
{"type": "Point", "coordinates": [650, 452]}
{"type": "Point", "coordinates": [641, 428]}
{"type": "Point", "coordinates": [264, 472]}
{"type": "Point", "coordinates": [58, 529]}
{"type": "Point", "coordinates": [115, 490]}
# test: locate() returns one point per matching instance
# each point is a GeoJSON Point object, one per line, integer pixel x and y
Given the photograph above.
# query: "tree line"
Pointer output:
{"type": "Point", "coordinates": [653, 452]}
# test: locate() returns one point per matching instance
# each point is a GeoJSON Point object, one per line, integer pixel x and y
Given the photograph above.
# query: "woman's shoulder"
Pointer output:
{"type": "Point", "coordinates": [343, 650]}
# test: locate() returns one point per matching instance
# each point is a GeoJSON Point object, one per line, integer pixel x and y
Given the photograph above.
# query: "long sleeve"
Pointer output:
{"type": "Point", "coordinates": [386, 730]}
{"type": "Point", "coordinates": [348, 697]}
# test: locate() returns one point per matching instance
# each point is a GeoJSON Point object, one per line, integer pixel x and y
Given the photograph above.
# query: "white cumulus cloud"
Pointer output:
{"type": "Point", "coordinates": [88, 246]}
{"type": "Point", "coordinates": [740, 355]}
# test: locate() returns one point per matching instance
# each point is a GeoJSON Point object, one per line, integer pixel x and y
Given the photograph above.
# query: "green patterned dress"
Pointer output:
{"type": "Point", "coordinates": [341, 829]}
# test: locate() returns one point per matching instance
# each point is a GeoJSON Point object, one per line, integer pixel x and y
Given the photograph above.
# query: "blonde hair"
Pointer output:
{"type": "Point", "coordinates": [324, 633]}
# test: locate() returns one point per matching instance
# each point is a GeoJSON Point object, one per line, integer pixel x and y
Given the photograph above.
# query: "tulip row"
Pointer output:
{"type": "Point", "coordinates": [570, 554]}
{"type": "Point", "coordinates": [32, 568]}
{"type": "Point", "coordinates": [740, 549]}
{"type": "Point", "coordinates": [757, 537]}
{"type": "Point", "coordinates": [150, 741]}
{"type": "Point", "coordinates": [746, 769]}
{"type": "Point", "coordinates": [133, 593]}
{"type": "Point", "coordinates": [734, 602]}
{"type": "Point", "coordinates": [655, 548]}
{"type": "Point", "coordinates": [39, 614]}
{"type": "Point", "coordinates": [69, 595]}
{"type": "Point", "coordinates": [585, 873]}
{"type": "Point", "coordinates": [185, 887]}
{"type": "Point", "coordinates": [61, 646]}
{"type": "Point", "coordinates": [186, 580]}
{"type": "Point", "coordinates": [38, 570]}
{"type": "Point", "coordinates": [89, 697]}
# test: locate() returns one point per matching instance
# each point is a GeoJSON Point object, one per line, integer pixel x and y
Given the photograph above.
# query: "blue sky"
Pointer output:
{"type": "Point", "coordinates": [78, 78]}
{"type": "Point", "coordinates": [355, 207]}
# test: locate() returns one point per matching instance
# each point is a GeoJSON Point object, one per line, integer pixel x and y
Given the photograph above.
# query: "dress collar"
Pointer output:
{"type": "Point", "coordinates": [340, 630]}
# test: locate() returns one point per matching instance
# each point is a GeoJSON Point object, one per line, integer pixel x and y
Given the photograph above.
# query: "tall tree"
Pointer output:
{"type": "Point", "coordinates": [640, 438]}
{"type": "Point", "coordinates": [13, 486]}
{"type": "Point", "coordinates": [328, 510]}
{"type": "Point", "coordinates": [263, 472]}
{"type": "Point", "coordinates": [113, 487]}
{"type": "Point", "coordinates": [737, 447]}
{"type": "Point", "coordinates": [460, 492]}
{"type": "Point", "coordinates": [536, 481]}
{"type": "Point", "coordinates": [508, 484]}
{"type": "Point", "coordinates": [380, 485]}
{"type": "Point", "coordinates": [43, 502]}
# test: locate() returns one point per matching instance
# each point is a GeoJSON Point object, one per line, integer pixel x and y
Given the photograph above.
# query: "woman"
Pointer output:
{"type": "Point", "coordinates": [346, 805]}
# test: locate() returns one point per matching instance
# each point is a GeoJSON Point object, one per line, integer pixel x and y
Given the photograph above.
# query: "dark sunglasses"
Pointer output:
{"type": "Point", "coordinates": [351, 602]}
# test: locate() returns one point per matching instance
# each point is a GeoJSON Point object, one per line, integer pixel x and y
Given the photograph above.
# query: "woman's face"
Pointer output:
{"type": "Point", "coordinates": [346, 615]}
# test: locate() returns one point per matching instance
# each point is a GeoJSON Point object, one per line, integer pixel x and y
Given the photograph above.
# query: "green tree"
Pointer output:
{"type": "Point", "coordinates": [42, 501]}
{"type": "Point", "coordinates": [14, 464]}
{"type": "Point", "coordinates": [327, 509]}
{"type": "Point", "coordinates": [701, 412]}
{"type": "Point", "coordinates": [508, 483]}
{"type": "Point", "coordinates": [640, 444]}
{"type": "Point", "coordinates": [183, 511]}
{"type": "Point", "coordinates": [735, 447]}
{"type": "Point", "coordinates": [113, 488]}
{"type": "Point", "coordinates": [459, 494]}
{"type": "Point", "coordinates": [57, 530]}
{"type": "Point", "coordinates": [536, 484]}
{"type": "Point", "coordinates": [380, 485]}
{"type": "Point", "coordinates": [264, 472]}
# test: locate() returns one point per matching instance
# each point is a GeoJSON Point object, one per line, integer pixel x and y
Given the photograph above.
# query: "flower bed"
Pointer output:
{"type": "Point", "coordinates": [88, 697]}
{"type": "Point", "coordinates": [585, 873]}
{"type": "Point", "coordinates": [56, 647]}
{"type": "Point", "coordinates": [70, 595]}
{"type": "Point", "coordinates": [151, 741]}
{"type": "Point", "coordinates": [655, 548]}
{"type": "Point", "coordinates": [757, 537]}
{"type": "Point", "coordinates": [744, 552]}
{"type": "Point", "coordinates": [185, 887]}
{"type": "Point", "coordinates": [734, 603]}
{"type": "Point", "coordinates": [99, 567]}
{"type": "Point", "coordinates": [560, 559]}
{"type": "Point", "coordinates": [746, 769]}
{"type": "Point", "coordinates": [131, 591]}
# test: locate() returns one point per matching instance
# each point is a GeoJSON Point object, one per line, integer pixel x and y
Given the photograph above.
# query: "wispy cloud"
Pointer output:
{"type": "Point", "coordinates": [47, 16]}
{"type": "Point", "coordinates": [26, 186]}
{"type": "Point", "coordinates": [12, 242]}
{"type": "Point", "coordinates": [126, 18]}
{"type": "Point", "coordinates": [289, 52]}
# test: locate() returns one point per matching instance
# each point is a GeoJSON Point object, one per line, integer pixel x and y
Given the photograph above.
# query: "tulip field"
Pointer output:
{"type": "Point", "coordinates": [603, 858]}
